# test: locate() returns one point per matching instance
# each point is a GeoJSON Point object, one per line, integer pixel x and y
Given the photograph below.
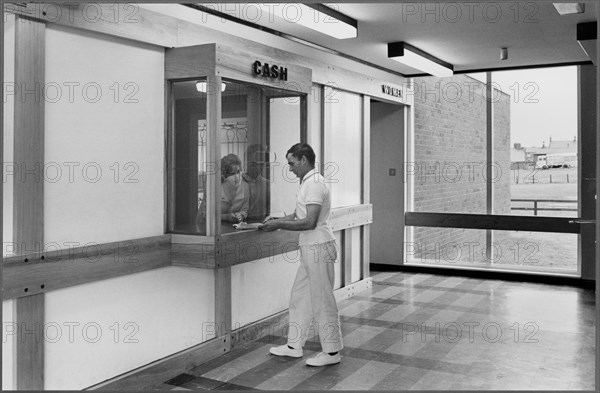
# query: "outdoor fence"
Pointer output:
{"type": "Point", "coordinates": [543, 176]}
{"type": "Point", "coordinates": [545, 205]}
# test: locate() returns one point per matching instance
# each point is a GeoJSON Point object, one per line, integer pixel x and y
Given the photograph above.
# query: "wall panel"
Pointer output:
{"type": "Point", "coordinates": [97, 331]}
{"type": "Point", "coordinates": [262, 288]}
{"type": "Point", "coordinates": [104, 138]}
{"type": "Point", "coordinates": [9, 336]}
{"type": "Point", "coordinates": [343, 146]}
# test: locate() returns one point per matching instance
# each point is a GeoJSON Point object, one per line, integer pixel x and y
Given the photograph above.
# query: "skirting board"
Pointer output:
{"type": "Point", "coordinates": [169, 367]}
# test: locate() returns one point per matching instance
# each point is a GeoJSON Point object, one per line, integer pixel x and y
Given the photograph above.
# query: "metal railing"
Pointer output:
{"type": "Point", "coordinates": [537, 208]}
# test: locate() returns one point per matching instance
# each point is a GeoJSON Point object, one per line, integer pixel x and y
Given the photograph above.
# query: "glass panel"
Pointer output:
{"type": "Point", "coordinates": [189, 110]}
{"type": "Point", "coordinates": [543, 146]}
{"type": "Point", "coordinates": [447, 170]}
{"type": "Point", "coordinates": [259, 125]}
{"type": "Point", "coordinates": [509, 250]}
{"type": "Point", "coordinates": [537, 251]}
{"type": "Point", "coordinates": [284, 125]}
{"type": "Point", "coordinates": [446, 246]}
{"type": "Point", "coordinates": [534, 167]}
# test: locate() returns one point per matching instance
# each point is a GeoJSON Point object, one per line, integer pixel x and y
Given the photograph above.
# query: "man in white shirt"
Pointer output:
{"type": "Point", "coordinates": [312, 293]}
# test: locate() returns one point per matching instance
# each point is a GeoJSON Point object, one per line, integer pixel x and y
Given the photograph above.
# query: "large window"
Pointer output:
{"type": "Point", "coordinates": [258, 124]}
{"type": "Point", "coordinates": [512, 150]}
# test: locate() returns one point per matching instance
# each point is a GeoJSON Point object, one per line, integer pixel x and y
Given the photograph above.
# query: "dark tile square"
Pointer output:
{"type": "Point", "coordinates": [180, 379]}
{"type": "Point", "coordinates": [202, 383]}
{"type": "Point", "coordinates": [232, 386]}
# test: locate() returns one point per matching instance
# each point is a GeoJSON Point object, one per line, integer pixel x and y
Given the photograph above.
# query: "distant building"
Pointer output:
{"type": "Point", "coordinates": [566, 150]}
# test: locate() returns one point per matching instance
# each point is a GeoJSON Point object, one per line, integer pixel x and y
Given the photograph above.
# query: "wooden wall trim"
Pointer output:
{"type": "Point", "coordinates": [190, 62]}
{"type": "Point", "coordinates": [496, 222]}
{"type": "Point", "coordinates": [67, 267]}
{"type": "Point", "coordinates": [55, 268]}
{"type": "Point", "coordinates": [30, 342]}
{"type": "Point", "coordinates": [151, 27]}
{"type": "Point", "coordinates": [236, 248]}
{"type": "Point", "coordinates": [116, 19]}
{"type": "Point", "coordinates": [213, 143]}
{"type": "Point", "coordinates": [28, 213]}
{"type": "Point", "coordinates": [247, 246]}
{"type": "Point", "coordinates": [351, 216]}
{"type": "Point", "coordinates": [223, 314]}
{"type": "Point", "coordinates": [346, 257]}
{"type": "Point", "coordinates": [366, 256]}
{"type": "Point", "coordinates": [28, 193]}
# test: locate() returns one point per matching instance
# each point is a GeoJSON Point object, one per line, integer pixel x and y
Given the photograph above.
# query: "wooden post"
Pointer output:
{"type": "Point", "coordinates": [28, 212]}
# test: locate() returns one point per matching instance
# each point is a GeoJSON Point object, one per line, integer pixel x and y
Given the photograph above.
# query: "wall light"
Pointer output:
{"type": "Point", "coordinates": [201, 86]}
{"type": "Point", "coordinates": [413, 57]}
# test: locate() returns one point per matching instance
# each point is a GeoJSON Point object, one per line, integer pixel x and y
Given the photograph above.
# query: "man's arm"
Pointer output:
{"type": "Point", "coordinates": [304, 224]}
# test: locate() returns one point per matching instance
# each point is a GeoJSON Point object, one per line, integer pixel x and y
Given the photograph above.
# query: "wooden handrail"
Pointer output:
{"type": "Point", "coordinates": [46, 270]}
{"type": "Point", "coordinates": [493, 221]}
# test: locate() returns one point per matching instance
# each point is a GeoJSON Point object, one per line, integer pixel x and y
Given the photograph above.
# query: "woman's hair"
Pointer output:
{"type": "Point", "coordinates": [227, 164]}
{"type": "Point", "coordinates": [302, 149]}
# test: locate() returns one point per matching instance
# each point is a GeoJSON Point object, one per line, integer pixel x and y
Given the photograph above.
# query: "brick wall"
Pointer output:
{"type": "Point", "coordinates": [449, 163]}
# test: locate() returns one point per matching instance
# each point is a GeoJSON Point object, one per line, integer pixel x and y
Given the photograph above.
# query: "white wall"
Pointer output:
{"type": "Point", "coordinates": [121, 132]}
{"type": "Point", "coordinates": [338, 279]}
{"type": "Point", "coordinates": [354, 234]}
{"type": "Point", "coordinates": [262, 288]}
{"type": "Point", "coordinates": [124, 323]}
{"type": "Point", "coordinates": [8, 130]}
{"type": "Point", "coordinates": [343, 144]}
{"type": "Point", "coordinates": [313, 137]}
{"type": "Point", "coordinates": [9, 338]}
{"type": "Point", "coordinates": [110, 130]}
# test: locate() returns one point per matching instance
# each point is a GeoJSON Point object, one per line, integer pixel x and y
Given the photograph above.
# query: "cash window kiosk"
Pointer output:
{"type": "Point", "coordinates": [232, 115]}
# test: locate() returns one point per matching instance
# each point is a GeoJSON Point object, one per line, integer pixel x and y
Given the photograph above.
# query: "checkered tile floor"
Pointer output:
{"type": "Point", "coordinates": [423, 331]}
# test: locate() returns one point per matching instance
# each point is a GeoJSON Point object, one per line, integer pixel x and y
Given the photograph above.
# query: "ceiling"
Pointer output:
{"type": "Point", "coordinates": [467, 35]}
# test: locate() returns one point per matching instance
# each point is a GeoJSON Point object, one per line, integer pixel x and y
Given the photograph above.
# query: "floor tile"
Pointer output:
{"type": "Point", "coordinates": [429, 332]}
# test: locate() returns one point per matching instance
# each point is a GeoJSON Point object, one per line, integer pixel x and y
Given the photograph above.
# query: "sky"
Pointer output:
{"type": "Point", "coordinates": [543, 104]}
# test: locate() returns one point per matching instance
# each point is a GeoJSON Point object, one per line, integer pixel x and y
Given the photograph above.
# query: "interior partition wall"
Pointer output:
{"type": "Point", "coordinates": [120, 268]}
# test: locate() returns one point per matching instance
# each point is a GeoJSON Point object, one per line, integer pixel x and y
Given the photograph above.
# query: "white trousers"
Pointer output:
{"type": "Point", "coordinates": [312, 298]}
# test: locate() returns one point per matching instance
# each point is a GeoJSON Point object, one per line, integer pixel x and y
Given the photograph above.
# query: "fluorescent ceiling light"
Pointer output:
{"type": "Point", "coordinates": [315, 16]}
{"type": "Point", "coordinates": [569, 8]}
{"type": "Point", "coordinates": [329, 21]}
{"type": "Point", "coordinates": [416, 58]}
{"type": "Point", "coordinates": [202, 87]}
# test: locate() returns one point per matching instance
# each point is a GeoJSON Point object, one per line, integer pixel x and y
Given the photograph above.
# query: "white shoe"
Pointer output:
{"type": "Point", "coordinates": [323, 359]}
{"type": "Point", "coordinates": [284, 350]}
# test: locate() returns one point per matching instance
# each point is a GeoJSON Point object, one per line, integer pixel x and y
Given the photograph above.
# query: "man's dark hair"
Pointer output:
{"type": "Point", "coordinates": [302, 149]}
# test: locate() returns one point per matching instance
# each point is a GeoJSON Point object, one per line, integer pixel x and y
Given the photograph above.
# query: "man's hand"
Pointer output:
{"type": "Point", "coordinates": [269, 226]}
